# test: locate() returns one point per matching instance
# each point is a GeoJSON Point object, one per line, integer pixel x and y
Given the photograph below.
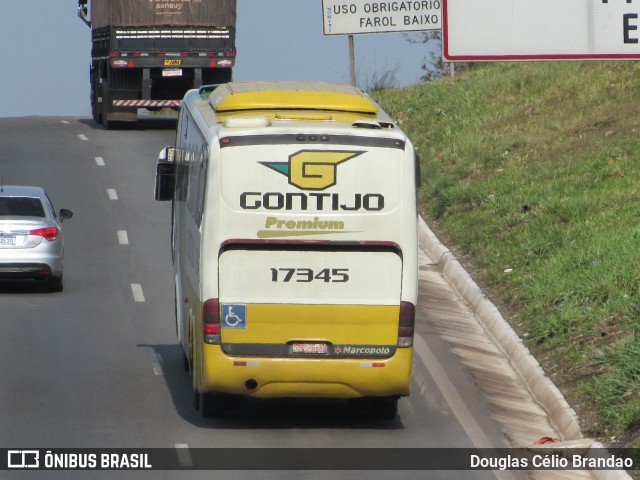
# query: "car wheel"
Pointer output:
{"type": "Point", "coordinates": [55, 284]}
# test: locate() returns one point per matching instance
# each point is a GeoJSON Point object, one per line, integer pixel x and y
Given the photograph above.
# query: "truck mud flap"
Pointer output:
{"type": "Point", "coordinates": [112, 116]}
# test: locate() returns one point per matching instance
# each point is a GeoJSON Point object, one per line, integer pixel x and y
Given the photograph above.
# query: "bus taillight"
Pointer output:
{"type": "Point", "coordinates": [406, 324]}
{"type": "Point", "coordinates": [211, 321]}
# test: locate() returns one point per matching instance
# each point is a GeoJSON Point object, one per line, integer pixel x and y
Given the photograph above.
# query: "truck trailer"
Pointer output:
{"type": "Point", "coordinates": [148, 53]}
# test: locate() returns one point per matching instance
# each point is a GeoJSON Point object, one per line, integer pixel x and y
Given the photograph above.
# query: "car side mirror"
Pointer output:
{"type": "Point", "coordinates": [65, 214]}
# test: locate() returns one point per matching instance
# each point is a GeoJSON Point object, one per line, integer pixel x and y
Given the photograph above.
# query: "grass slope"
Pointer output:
{"type": "Point", "coordinates": [531, 171]}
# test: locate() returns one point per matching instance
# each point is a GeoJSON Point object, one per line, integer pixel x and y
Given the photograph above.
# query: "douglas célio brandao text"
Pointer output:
{"type": "Point", "coordinates": [550, 462]}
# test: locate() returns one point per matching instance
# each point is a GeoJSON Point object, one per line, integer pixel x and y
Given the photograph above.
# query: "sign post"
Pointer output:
{"type": "Point", "coordinates": [352, 61]}
{"type": "Point", "coordinates": [494, 30]}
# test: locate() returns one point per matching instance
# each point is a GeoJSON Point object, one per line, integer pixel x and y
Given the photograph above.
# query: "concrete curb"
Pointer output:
{"type": "Point", "coordinates": [543, 391]}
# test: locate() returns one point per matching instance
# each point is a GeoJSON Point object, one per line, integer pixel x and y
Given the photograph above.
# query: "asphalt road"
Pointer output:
{"type": "Point", "coordinates": [98, 366]}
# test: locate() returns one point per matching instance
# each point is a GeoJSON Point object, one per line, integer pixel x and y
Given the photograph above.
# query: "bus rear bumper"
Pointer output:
{"type": "Point", "coordinates": [302, 377]}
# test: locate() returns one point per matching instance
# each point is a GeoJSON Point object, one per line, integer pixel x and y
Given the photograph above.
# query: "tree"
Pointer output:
{"type": "Point", "coordinates": [434, 66]}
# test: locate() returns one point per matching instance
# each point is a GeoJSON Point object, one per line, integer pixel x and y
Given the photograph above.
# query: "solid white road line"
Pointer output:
{"type": "Point", "coordinates": [138, 295]}
{"type": "Point", "coordinates": [454, 400]}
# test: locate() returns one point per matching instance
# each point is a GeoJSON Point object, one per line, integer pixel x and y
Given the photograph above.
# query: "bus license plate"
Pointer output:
{"type": "Point", "coordinates": [309, 348]}
{"type": "Point", "coordinates": [7, 239]}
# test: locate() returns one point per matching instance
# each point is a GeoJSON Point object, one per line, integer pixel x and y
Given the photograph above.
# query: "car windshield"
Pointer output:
{"type": "Point", "coordinates": [21, 207]}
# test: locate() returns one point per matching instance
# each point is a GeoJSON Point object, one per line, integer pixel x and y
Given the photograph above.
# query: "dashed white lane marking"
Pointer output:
{"type": "Point", "coordinates": [138, 295]}
{"type": "Point", "coordinates": [123, 238]}
{"type": "Point", "coordinates": [113, 195]}
{"type": "Point", "coordinates": [184, 457]}
{"type": "Point", "coordinates": [67, 122]}
{"type": "Point", "coordinates": [156, 362]}
{"type": "Point", "coordinates": [83, 137]}
{"type": "Point", "coordinates": [99, 161]}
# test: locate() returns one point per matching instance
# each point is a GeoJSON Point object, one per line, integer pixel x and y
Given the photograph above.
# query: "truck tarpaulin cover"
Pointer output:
{"type": "Point", "coordinates": [135, 13]}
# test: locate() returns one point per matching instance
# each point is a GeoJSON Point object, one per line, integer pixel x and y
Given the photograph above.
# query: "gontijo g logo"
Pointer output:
{"type": "Point", "coordinates": [312, 169]}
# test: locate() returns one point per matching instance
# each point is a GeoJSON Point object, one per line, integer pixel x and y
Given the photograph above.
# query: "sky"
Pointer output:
{"type": "Point", "coordinates": [45, 51]}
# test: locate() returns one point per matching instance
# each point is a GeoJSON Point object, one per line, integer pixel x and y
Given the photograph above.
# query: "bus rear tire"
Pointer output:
{"type": "Point", "coordinates": [196, 399]}
{"type": "Point", "coordinates": [384, 408]}
{"type": "Point", "coordinates": [212, 405]}
{"type": "Point", "coordinates": [185, 361]}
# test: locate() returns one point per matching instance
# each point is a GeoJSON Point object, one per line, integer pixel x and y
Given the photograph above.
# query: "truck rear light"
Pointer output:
{"type": "Point", "coordinates": [211, 321]}
{"type": "Point", "coordinates": [49, 233]}
{"type": "Point", "coordinates": [406, 324]}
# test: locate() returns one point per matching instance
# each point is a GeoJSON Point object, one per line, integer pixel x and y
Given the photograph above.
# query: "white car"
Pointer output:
{"type": "Point", "coordinates": [31, 237]}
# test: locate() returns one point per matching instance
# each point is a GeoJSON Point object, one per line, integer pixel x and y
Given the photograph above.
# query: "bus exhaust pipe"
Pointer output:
{"type": "Point", "coordinates": [251, 384]}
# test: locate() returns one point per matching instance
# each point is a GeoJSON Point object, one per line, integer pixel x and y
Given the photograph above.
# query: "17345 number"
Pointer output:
{"type": "Point", "coordinates": [306, 275]}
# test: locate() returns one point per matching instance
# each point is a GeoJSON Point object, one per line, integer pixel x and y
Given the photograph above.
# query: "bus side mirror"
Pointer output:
{"type": "Point", "coordinates": [418, 173]}
{"type": "Point", "coordinates": [165, 175]}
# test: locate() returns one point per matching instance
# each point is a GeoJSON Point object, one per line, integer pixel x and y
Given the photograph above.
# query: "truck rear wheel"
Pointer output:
{"type": "Point", "coordinates": [95, 111]}
{"type": "Point", "coordinates": [96, 107]}
{"type": "Point", "coordinates": [104, 114]}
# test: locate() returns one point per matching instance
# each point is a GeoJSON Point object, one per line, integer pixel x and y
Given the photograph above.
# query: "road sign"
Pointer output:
{"type": "Point", "coordinates": [348, 17]}
{"type": "Point", "coordinates": [493, 30]}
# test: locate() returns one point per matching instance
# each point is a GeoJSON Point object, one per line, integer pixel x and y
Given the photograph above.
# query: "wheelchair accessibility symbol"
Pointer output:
{"type": "Point", "coordinates": [234, 315]}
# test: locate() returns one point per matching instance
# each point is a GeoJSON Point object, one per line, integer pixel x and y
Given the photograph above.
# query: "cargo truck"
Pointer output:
{"type": "Point", "coordinates": [148, 53]}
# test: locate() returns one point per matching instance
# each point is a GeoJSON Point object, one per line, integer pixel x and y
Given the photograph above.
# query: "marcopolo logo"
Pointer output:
{"type": "Point", "coordinates": [313, 169]}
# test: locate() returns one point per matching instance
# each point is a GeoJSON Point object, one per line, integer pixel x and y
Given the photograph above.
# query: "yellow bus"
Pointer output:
{"type": "Point", "coordinates": [294, 241]}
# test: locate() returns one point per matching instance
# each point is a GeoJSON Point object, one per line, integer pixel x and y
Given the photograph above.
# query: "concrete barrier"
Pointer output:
{"type": "Point", "coordinates": [542, 389]}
